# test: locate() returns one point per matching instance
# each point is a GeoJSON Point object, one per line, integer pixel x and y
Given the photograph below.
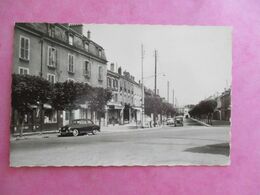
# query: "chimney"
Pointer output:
{"type": "Point", "coordinates": [120, 70]}
{"type": "Point", "coordinates": [112, 67]}
{"type": "Point", "coordinates": [89, 33]}
{"type": "Point", "coordinates": [77, 27]}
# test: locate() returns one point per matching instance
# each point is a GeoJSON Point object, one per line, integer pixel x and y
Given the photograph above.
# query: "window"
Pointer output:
{"type": "Point", "coordinates": [87, 69]}
{"type": "Point", "coordinates": [71, 63]}
{"type": "Point", "coordinates": [115, 98]}
{"type": "Point", "coordinates": [99, 53]}
{"type": "Point", "coordinates": [51, 30]}
{"type": "Point", "coordinates": [109, 84]}
{"type": "Point", "coordinates": [121, 85]}
{"type": "Point", "coordinates": [125, 86]}
{"type": "Point", "coordinates": [52, 57]}
{"type": "Point", "coordinates": [100, 73]}
{"type": "Point", "coordinates": [90, 122]}
{"type": "Point", "coordinates": [71, 39]}
{"type": "Point", "coordinates": [51, 78]}
{"type": "Point", "coordinates": [86, 46]}
{"type": "Point", "coordinates": [24, 48]}
{"type": "Point", "coordinates": [115, 84]}
{"type": "Point", "coordinates": [50, 116]}
{"type": "Point", "coordinates": [23, 70]}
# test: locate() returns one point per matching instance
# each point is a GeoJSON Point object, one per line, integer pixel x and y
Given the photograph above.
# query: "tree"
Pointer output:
{"type": "Point", "coordinates": [28, 91]}
{"type": "Point", "coordinates": [70, 95]}
{"type": "Point", "coordinates": [167, 109]}
{"type": "Point", "coordinates": [155, 105]}
{"type": "Point", "coordinates": [205, 107]}
{"type": "Point", "coordinates": [152, 104]}
{"type": "Point", "coordinates": [98, 99]}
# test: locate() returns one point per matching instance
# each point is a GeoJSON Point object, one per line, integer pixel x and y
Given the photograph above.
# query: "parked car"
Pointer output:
{"type": "Point", "coordinates": [80, 126]}
{"type": "Point", "coordinates": [170, 121]}
{"type": "Point", "coordinates": [178, 121]}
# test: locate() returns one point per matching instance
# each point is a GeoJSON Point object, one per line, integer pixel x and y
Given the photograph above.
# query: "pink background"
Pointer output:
{"type": "Point", "coordinates": [242, 177]}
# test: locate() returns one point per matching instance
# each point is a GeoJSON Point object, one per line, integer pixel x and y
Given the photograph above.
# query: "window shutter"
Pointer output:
{"type": "Point", "coordinates": [49, 56]}
{"type": "Point", "coordinates": [72, 64]}
{"type": "Point", "coordinates": [69, 63]}
{"type": "Point", "coordinates": [89, 69]}
{"type": "Point", "coordinates": [86, 68]}
{"type": "Point", "coordinates": [56, 58]}
{"type": "Point", "coordinates": [22, 48]}
{"type": "Point", "coordinates": [26, 48]}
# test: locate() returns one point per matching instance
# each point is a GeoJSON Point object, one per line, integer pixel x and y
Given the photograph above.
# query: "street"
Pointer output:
{"type": "Point", "coordinates": [191, 144]}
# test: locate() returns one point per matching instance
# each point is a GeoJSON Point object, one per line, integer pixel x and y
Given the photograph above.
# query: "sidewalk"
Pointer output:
{"type": "Point", "coordinates": [35, 134]}
{"type": "Point", "coordinates": [104, 129]}
{"type": "Point", "coordinates": [214, 122]}
{"type": "Point", "coordinates": [201, 122]}
{"type": "Point", "coordinates": [220, 123]}
{"type": "Point", "coordinates": [123, 128]}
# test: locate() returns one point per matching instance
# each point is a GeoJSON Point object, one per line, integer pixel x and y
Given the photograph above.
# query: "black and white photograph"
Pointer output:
{"type": "Point", "coordinates": [120, 95]}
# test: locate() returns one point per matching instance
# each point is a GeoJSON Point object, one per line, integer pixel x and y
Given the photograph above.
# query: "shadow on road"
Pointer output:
{"type": "Point", "coordinates": [222, 149]}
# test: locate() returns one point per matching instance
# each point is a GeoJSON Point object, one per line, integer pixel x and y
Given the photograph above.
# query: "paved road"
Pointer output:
{"type": "Point", "coordinates": [189, 145]}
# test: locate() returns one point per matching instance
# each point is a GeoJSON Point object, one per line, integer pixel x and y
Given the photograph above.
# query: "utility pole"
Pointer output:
{"type": "Point", "coordinates": [142, 78]}
{"type": "Point", "coordinates": [155, 72]}
{"type": "Point", "coordinates": [173, 98]}
{"type": "Point", "coordinates": [168, 86]}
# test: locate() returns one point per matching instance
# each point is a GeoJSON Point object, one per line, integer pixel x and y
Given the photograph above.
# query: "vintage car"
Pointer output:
{"type": "Point", "coordinates": [80, 126]}
{"type": "Point", "coordinates": [170, 121]}
{"type": "Point", "coordinates": [178, 121]}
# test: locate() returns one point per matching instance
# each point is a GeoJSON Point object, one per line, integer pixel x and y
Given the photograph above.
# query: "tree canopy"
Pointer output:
{"type": "Point", "coordinates": [155, 104]}
{"type": "Point", "coordinates": [204, 107]}
{"type": "Point", "coordinates": [98, 99]}
{"type": "Point", "coordinates": [69, 95]}
{"type": "Point", "coordinates": [29, 90]}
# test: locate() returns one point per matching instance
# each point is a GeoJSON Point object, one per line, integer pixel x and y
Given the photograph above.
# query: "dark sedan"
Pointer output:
{"type": "Point", "coordinates": [80, 126]}
{"type": "Point", "coordinates": [178, 121]}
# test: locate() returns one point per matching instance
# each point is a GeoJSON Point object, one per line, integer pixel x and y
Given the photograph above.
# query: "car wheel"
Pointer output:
{"type": "Point", "coordinates": [75, 132]}
{"type": "Point", "coordinates": [94, 131]}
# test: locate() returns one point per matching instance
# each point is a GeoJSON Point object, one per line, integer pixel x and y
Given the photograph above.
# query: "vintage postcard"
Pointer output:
{"type": "Point", "coordinates": [120, 95]}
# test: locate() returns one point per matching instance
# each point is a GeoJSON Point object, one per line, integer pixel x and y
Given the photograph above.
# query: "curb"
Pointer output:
{"type": "Point", "coordinates": [205, 124]}
{"type": "Point", "coordinates": [130, 130]}
{"type": "Point", "coordinates": [35, 133]}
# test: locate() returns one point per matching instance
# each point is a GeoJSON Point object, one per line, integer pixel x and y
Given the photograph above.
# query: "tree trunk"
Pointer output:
{"type": "Point", "coordinates": [41, 117]}
{"type": "Point", "coordinates": [58, 119]}
{"type": "Point", "coordinates": [20, 123]}
{"type": "Point", "coordinates": [70, 116]}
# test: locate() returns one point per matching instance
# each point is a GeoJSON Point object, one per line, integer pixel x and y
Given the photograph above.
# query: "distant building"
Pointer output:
{"type": "Point", "coordinates": [179, 110]}
{"type": "Point", "coordinates": [125, 105]}
{"type": "Point", "coordinates": [58, 52]}
{"type": "Point", "coordinates": [226, 105]}
{"type": "Point", "coordinates": [114, 107]}
{"type": "Point", "coordinates": [186, 112]}
{"type": "Point", "coordinates": [223, 109]}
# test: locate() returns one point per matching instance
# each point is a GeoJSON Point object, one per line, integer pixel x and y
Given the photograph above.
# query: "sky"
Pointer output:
{"type": "Point", "coordinates": [196, 60]}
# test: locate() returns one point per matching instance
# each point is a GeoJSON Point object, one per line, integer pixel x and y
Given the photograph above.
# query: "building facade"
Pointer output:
{"type": "Point", "coordinates": [125, 106]}
{"type": "Point", "coordinates": [58, 52]}
{"type": "Point", "coordinates": [223, 108]}
{"type": "Point", "coordinates": [226, 105]}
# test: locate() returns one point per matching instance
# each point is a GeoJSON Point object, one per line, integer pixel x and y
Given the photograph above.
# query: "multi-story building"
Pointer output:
{"type": "Point", "coordinates": [114, 107]}
{"type": "Point", "coordinates": [223, 108]}
{"type": "Point", "coordinates": [125, 105]}
{"type": "Point", "coordinates": [226, 105]}
{"type": "Point", "coordinates": [58, 52]}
